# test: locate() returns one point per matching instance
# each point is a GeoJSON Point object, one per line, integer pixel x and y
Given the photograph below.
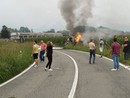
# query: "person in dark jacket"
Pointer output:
{"type": "Point", "coordinates": [49, 52]}
{"type": "Point", "coordinates": [126, 50]}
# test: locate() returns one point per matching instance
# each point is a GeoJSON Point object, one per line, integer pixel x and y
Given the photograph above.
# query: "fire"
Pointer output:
{"type": "Point", "coordinates": [77, 37]}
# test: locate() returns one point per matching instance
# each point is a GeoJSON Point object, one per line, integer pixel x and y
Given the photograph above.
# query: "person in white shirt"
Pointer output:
{"type": "Point", "coordinates": [101, 47]}
{"type": "Point", "coordinates": [92, 48]}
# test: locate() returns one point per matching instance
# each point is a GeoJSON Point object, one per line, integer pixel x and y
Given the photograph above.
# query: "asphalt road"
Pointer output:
{"type": "Point", "coordinates": [94, 81]}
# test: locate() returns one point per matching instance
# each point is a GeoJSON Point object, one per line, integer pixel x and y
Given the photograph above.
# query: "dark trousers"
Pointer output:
{"type": "Point", "coordinates": [92, 55]}
{"type": "Point", "coordinates": [49, 61]}
{"type": "Point", "coordinates": [42, 55]}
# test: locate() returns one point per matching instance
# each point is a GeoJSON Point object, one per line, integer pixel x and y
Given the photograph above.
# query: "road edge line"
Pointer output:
{"type": "Point", "coordinates": [128, 68]}
{"type": "Point", "coordinates": [75, 82]}
{"type": "Point", "coordinates": [20, 74]}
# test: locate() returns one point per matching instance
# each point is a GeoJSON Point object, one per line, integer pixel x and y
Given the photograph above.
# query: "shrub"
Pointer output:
{"type": "Point", "coordinates": [12, 61]}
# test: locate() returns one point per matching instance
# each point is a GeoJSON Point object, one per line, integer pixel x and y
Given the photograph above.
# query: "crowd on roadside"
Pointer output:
{"type": "Point", "coordinates": [41, 51]}
{"type": "Point", "coordinates": [46, 50]}
{"type": "Point", "coordinates": [115, 50]}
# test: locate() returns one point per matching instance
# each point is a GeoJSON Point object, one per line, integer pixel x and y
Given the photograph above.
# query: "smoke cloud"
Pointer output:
{"type": "Point", "coordinates": [100, 33]}
{"type": "Point", "coordinates": [76, 12]}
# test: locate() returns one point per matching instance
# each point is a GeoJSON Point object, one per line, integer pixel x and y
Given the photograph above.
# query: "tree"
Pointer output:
{"type": "Point", "coordinates": [64, 32]}
{"type": "Point", "coordinates": [12, 30]}
{"type": "Point", "coordinates": [79, 29]}
{"type": "Point", "coordinates": [31, 30]}
{"type": "Point", "coordinates": [91, 29]}
{"type": "Point", "coordinates": [24, 29]}
{"type": "Point", "coordinates": [5, 33]}
{"type": "Point", "coordinates": [51, 31]}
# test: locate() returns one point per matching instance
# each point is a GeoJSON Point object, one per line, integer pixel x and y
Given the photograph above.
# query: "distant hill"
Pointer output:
{"type": "Point", "coordinates": [95, 29]}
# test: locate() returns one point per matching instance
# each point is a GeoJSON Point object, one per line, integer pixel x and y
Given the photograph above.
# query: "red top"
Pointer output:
{"type": "Point", "coordinates": [43, 46]}
{"type": "Point", "coordinates": [115, 48]}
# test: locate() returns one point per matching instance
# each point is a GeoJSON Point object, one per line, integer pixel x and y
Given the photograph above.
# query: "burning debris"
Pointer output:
{"type": "Point", "coordinates": [77, 38]}
{"type": "Point", "coordinates": [76, 14]}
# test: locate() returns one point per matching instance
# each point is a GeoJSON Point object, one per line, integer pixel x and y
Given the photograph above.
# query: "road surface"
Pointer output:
{"type": "Point", "coordinates": [94, 80]}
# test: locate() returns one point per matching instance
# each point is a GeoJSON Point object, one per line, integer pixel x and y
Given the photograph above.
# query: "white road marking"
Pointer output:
{"type": "Point", "coordinates": [126, 67]}
{"type": "Point", "coordinates": [73, 89]}
{"type": "Point", "coordinates": [57, 48]}
{"type": "Point", "coordinates": [119, 63]}
{"type": "Point", "coordinates": [17, 76]}
{"type": "Point", "coordinates": [74, 86]}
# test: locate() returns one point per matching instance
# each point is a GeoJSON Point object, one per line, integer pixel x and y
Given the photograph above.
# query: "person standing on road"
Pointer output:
{"type": "Point", "coordinates": [101, 47]}
{"type": "Point", "coordinates": [35, 53]}
{"type": "Point", "coordinates": [49, 52]}
{"type": "Point", "coordinates": [42, 50]}
{"type": "Point", "coordinates": [115, 51]}
{"type": "Point", "coordinates": [92, 48]}
{"type": "Point", "coordinates": [126, 50]}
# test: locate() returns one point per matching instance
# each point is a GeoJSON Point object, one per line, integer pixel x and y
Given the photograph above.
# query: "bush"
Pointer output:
{"type": "Point", "coordinates": [106, 51]}
{"type": "Point", "coordinates": [58, 41]}
{"type": "Point", "coordinates": [12, 61]}
{"type": "Point", "coordinates": [15, 56]}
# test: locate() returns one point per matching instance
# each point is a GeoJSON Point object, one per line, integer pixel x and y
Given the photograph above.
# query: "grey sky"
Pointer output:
{"type": "Point", "coordinates": [111, 13]}
{"type": "Point", "coordinates": [42, 15]}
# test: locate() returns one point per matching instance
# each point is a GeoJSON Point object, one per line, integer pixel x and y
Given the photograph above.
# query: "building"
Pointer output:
{"type": "Point", "coordinates": [17, 35]}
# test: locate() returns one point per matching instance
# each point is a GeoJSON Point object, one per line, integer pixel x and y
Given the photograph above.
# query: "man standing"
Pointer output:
{"type": "Point", "coordinates": [42, 51]}
{"type": "Point", "coordinates": [115, 50]}
{"type": "Point", "coordinates": [92, 48]}
{"type": "Point", "coordinates": [101, 47]}
{"type": "Point", "coordinates": [126, 50]}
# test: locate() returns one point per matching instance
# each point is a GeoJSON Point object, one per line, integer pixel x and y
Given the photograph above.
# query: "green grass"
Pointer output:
{"type": "Point", "coordinates": [12, 61]}
{"type": "Point", "coordinates": [106, 51]}
{"type": "Point", "coordinates": [58, 41]}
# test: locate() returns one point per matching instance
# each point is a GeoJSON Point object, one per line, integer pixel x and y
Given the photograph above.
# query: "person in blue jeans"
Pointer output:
{"type": "Point", "coordinates": [116, 61]}
{"type": "Point", "coordinates": [92, 54]}
{"type": "Point", "coordinates": [115, 50]}
{"type": "Point", "coordinates": [42, 50]}
{"type": "Point", "coordinates": [92, 48]}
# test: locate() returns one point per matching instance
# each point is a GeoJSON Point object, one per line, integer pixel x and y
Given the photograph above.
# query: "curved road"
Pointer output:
{"type": "Point", "coordinates": [94, 81]}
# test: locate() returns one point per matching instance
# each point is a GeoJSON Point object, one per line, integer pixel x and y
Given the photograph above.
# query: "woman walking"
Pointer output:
{"type": "Point", "coordinates": [49, 52]}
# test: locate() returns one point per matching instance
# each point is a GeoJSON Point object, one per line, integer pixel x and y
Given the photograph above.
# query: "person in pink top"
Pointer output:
{"type": "Point", "coordinates": [42, 51]}
{"type": "Point", "coordinates": [115, 50]}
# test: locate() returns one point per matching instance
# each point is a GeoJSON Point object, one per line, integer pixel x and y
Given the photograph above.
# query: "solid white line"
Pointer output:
{"type": "Point", "coordinates": [57, 48]}
{"type": "Point", "coordinates": [74, 86]}
{"type": "Point", "coordinates": [119, 63]}
{"type": "Point", "coordinates": [17, 76]}
{"type": "Point", "coordinates": [128, 68]}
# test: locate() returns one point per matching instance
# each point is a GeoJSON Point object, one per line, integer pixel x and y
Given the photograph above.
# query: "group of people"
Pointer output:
{"type": "Point", "coordinates": [114, 50]}
{"type": "Point", "coordinates": [46, 49]}
{"type": "Point", "coordinates": [92, 48]}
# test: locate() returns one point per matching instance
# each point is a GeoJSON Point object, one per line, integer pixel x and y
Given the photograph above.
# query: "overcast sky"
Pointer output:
{"type": "Point", "coordinates": [42, 15]}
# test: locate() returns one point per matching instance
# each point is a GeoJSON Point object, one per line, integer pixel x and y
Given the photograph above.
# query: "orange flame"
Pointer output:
{"type": "Point", "coordinates": [77, 37]}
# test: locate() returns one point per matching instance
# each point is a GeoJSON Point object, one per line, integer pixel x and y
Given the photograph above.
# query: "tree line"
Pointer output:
{"type": "Point", "coordinates": [6, 32]}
